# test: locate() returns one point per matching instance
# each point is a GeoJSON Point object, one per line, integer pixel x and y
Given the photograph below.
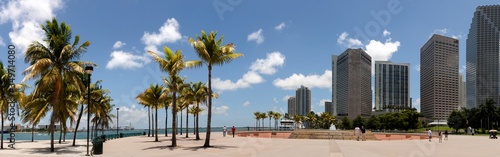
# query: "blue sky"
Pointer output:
{"type": "Point", "coordinates": [285, 44]}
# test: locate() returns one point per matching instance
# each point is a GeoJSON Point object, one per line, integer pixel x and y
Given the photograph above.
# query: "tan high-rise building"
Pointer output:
{"type": "Point", "coordinates": [439, 77]}
{"type": "Point", "coordinates": [292, 108]}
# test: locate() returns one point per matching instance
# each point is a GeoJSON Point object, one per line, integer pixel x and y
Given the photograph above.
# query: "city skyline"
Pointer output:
{"type": "Point", "coordinates": [283, 48]}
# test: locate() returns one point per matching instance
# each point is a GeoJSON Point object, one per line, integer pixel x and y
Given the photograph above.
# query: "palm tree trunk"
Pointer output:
{"type": "Point", "coordinates": [269, 123]}
{"type": "Point", "coordinates": [1, 143]}
{"type": "Point", "coordinates": [194, 123]}
{"type": "Point", "coordinates": [64, 135]}
{"type": "Point", "coordinates": [181, 122]}
{"type": "Point", "coordinates": [149, 123]}
{"type": "Point", "coordinates": [187, 122]}
{"type": "Point", "coordinates": [166, 120]}
{"type": "Point", "coordinates": [156, 123]}
{"type": "Point", "coordinates": [33, 133]}
{"type": "Point", "coordinates": [51, 128]}
{"type": "Point", "coordinates": [174, 116]}
{"type": "Point", "coordinates": [197, 122]}
{"type": "Point", "coordinates": [60, 133]}
{"type": "Point", "coordinates": [77, 124]}
{"type": "Point", "coordinates": [209, 116]}
{"type": "Point", "coordinates": [152, 124]}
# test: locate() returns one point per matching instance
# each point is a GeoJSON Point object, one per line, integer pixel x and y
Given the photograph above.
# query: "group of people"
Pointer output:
{"type": "Point", "coordinates": [224, 131]}
{"type": "Point", "coordinates": [440, 135]}
{"type": "Point", "coordinates": [360, 132]}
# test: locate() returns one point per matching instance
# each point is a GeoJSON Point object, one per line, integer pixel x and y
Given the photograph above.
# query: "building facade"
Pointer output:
{"type": "Point", "coordinates": [329, 107]}
{"type": "Point", "coordinates": [353, 89]}
{"type": "Point", "coordinates": [303, 101]}
{"type": "Point", "coordinates": [461, 92]}
{"type": "Point", "coordinates": [483, 49]}
{"type": "Point", "coordinates": [392, 86]}
{"type": "Point", "coordinates": [292, 108]}
{"type": "Point", "coordinates": [439, 77]}
{"type": "Point", "coordinates": [334, 85]}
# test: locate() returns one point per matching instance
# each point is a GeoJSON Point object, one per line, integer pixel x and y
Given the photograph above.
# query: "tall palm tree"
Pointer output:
{"type": "Point", "coordinates": [8, 93]}
{"type": "Point", "coordinates": [173, 64]}
{"type": "Point", "coordinates": [82, 94]}
{"type": "Point", "coordinates": [257, 118]}
{"type": "Point", "coordinates": [155, 97]}
{"type": "Point", "coordinates": [53, 64]}
{"type": "Point", "coordinates": [188, 94]}
{"type": "Point", "coordinates": [263, 116]}
{"type": "Point", "coordinates": [195, 110]}
{"type": "Point", "coordinates": [276, 117]}
{"type": "Point", "coordinates": [212, 52]}
{"type": "Point", "coordinates": [270, 114]}
{"type": "Point", "coordinates": [200, 96]}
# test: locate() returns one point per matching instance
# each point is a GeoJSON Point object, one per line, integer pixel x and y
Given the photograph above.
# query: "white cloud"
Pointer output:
{"type": "Point", "coordinates": [269, 64]}
{"type": "Point", "coordinates": [132, 115]}
{"type": "Point", "coordinates": [168, 33]}
{"type": "Point", "coordinates": [280, 27]}
{"type": "Point", "coordinates": [417, 67]}
{"type": "Point", "coordinates": [386, 32]}
{"type": "Point", "coordinates": [440, 31]}
{"type": "Point", "coordinates": [1, 42]}
{"type": "Point", "coordinates": [348, 42]}
{"type": "Point", "coordinates": [310, 81]}
{"type": "Point", "coordinates": [26, 17]}
{"type": "Point", "coordinates": [256, 36]}
{"type": "Point", "coordinates": [126, 60]}
{"type": "Point", "coordinates": [286, 97]}
{"type": "Point", "coordinates": [381, 51]}
{"type": "Point", "coordinates": [275, 100]}
{"type": "Point", "coordinates": [221, 110]}
{"type": "Point", "coordinates": [260, 66]}
{"type": "Point", "coordinates": [322, 102]}
{"type": "Point", "coordinates": [416, 104]}
{"type": "Point", "coordinates": [447, 32]}
{"type": "Point", "coordinates": [246, 103]}
{"type": "Point", "coordinates": [118, 44]}
{"type": "Point", "coordinates": [462, 69]}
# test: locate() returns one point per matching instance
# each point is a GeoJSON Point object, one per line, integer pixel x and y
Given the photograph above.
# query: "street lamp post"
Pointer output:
{"type": "Point", "coordinates": [117, 124]}
{"type": "Point", "coordinates": [88, 70]}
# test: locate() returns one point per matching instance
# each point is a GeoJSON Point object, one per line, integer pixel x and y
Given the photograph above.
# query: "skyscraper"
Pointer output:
{"type": "Point", "coordinates": [303, 101]}
{"type": "Point", "coordinates": [439, 77]}
{"type": "Point", "coordinates": [483, 49]}
{"type": "Point", "coordinates": [329, 107]}
{"type": "Point", "coordinates": [461, 91]}
{"type": "Point", "coordinates": [354, 94]}
{"type": "Point", "coordinates": [292, 108]}
{"type": "Point", "coordinates": [334, 85]}
{"type": "Point", "coordinates": [392, 86]}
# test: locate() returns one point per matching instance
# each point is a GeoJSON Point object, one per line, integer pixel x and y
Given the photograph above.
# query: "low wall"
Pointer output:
{"type": "Point", "coordinates": [264, 134]}
{"type": "Point", "coordinates": [382, 137]}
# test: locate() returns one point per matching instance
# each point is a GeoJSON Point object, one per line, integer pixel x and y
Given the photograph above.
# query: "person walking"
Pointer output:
{"type": "Point", "coordinates": [224, 131]}
{"type": "Point", "coordinates": [234, 130]}
{"type": "Point", "coordinates": [440, 137]}
{"type": "Point", "coordinates": [430, 135]}
{"type": "Point", "coordinates": [363, 130]}
{"type": "Point", "coordinates": [446, 135]}
{"type": "Point", "coordinates": [357, 132]}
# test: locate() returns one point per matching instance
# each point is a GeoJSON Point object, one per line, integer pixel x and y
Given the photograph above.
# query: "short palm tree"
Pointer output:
{"type": "Point", "coordinates": [212, 52]}
{"type": "Point", "coordinates": [276, 117]}
{"type": "Point", "coordinates": [154, 96]}
{"type": "Point", "coordinates": [8, 93]}
{"type": "Point", "coordinates": [257, 118]}
{"type": "Point", "coordinates": [270, 114]}
{"type": "Point", "coordinates": [263, 116]}
{"type": "Point", "coordinates": [173, 64]}
{"type": "Point", "coordinates": [52, 64]}
{"type": "Point", "coordinates": [200, 96]}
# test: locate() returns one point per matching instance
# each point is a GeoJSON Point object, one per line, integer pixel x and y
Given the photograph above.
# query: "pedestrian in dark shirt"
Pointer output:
{"type": "Point", "coordinates": [234, 130]}
{"type": "Point", "coordinates": [363, 130]}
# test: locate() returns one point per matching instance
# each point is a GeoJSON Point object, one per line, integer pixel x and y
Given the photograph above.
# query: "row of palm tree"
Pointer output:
{"type": "Point", "coordinates": [212, 52]}
{"type": "Point", "coordinates": [263, 115]}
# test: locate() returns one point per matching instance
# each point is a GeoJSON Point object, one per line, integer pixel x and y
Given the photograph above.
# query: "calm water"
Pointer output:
{"type": "Point", "coordinates": [24, 136]}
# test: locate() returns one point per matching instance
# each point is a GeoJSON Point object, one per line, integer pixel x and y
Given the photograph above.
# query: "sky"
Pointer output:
{"type": "Point", "coordinates": [285, 44]}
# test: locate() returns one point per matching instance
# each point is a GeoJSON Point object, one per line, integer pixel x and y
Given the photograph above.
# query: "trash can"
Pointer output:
{"type": "Point", "coordinates": [121, 135]}
{"type": "Point", "coordinates": [103, 137]}
{"type": "Point", "coordinates": [143, 133]}
{"type": "Point", "coordinates": [97, 145]}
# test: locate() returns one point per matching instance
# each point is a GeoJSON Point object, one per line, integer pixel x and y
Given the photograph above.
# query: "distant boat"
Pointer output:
{"type": "Point", "coordinates": [5, 131]}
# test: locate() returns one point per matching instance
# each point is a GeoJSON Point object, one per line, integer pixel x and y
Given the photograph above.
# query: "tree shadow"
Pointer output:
{"type": "Point", "coordinates": [211, 147]}
{"type": "Point", "coordinates": [57, 150]}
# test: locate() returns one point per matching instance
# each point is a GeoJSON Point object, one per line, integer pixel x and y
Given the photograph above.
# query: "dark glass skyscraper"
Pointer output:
{"type": "Point", "coordinates": [392, 86]}
{"type": "Point", "coordinates": [483, 50]}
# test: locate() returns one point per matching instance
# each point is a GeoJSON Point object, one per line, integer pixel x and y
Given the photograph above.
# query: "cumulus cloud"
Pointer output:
{"type": "Point", "coordinates": [440, 31]}
{"type": "Point", "coordinates": [221, 110]}
{"type": "Point", "coordinates": [269, 64]}
{"type": "Point", "coordinates": [280, 27]}
{"type": "Point", "coordinates": [447, 32]}
{"type": "Point", "coordinates": [1, 42]}
{"type": "Point", "coordinates": [133, 115]}
{"type": "Point", "coordinates": [348, 42]}
{"type": "Point", "coordinates": [260, 66]}
{"type": "Point", "coordinates": [322, 102]}
{"type": "Point", "coordinates": [386, 32]}
{"type": "Point", "coordinates": [168, 33]}
{"type": "Point", "coordinates": [26, 17]}
{"type": "Point", "coordinates": [256, 36]}
{"type": "Point", "coordinates": [462, 69]}
{"type": "Point", "coordinates": [286, 97]}
{"type": "Point", "coordinates": [126, 60]}
{"type": "Point", "coordinates": [275, 100]}
{"type": "Point", "coordinates": [246, 103]}
{"type": "Point", "coordinates": [416, 104]}
{"type": "Point", "coordinates": [118, 44]}
{"type": "Point", "coordinates": [417, 68]}
{"type": "Point", "coordinates": [311, 81]}
{"type": "Point", "coordinates": [381, 51]}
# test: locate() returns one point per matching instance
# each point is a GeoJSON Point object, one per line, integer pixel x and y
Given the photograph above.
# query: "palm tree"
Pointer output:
{"type": "Point", "coordinates": [155, 97]}
{"type": "Point", "coordinates": [276, 117]}
{"type": "Point", "coordinates": [52, 65]}
{"type": "Point", "coordinates": [195, 110]}
{"type": "Point", "coordinates": [270, 114]}
{"type": "Point", "coordinates": [200, 96]}
{"type": "Point", "coordinates": [297, 119]}
{"type": "Point", "coordinates": [263, 116]}
{"type": "Point", "coordinates": [188, 94]}
{"type": "Point", "coordinates": [173, 64]}
{"type": "Point", "coordinates": [82, 100]}
{"type": "Point", "coordinates": [212, 52]}
{"type": "Point", "coordinates": [8, 93]}
{"type": "Point", "coordinates": [257, 118]}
